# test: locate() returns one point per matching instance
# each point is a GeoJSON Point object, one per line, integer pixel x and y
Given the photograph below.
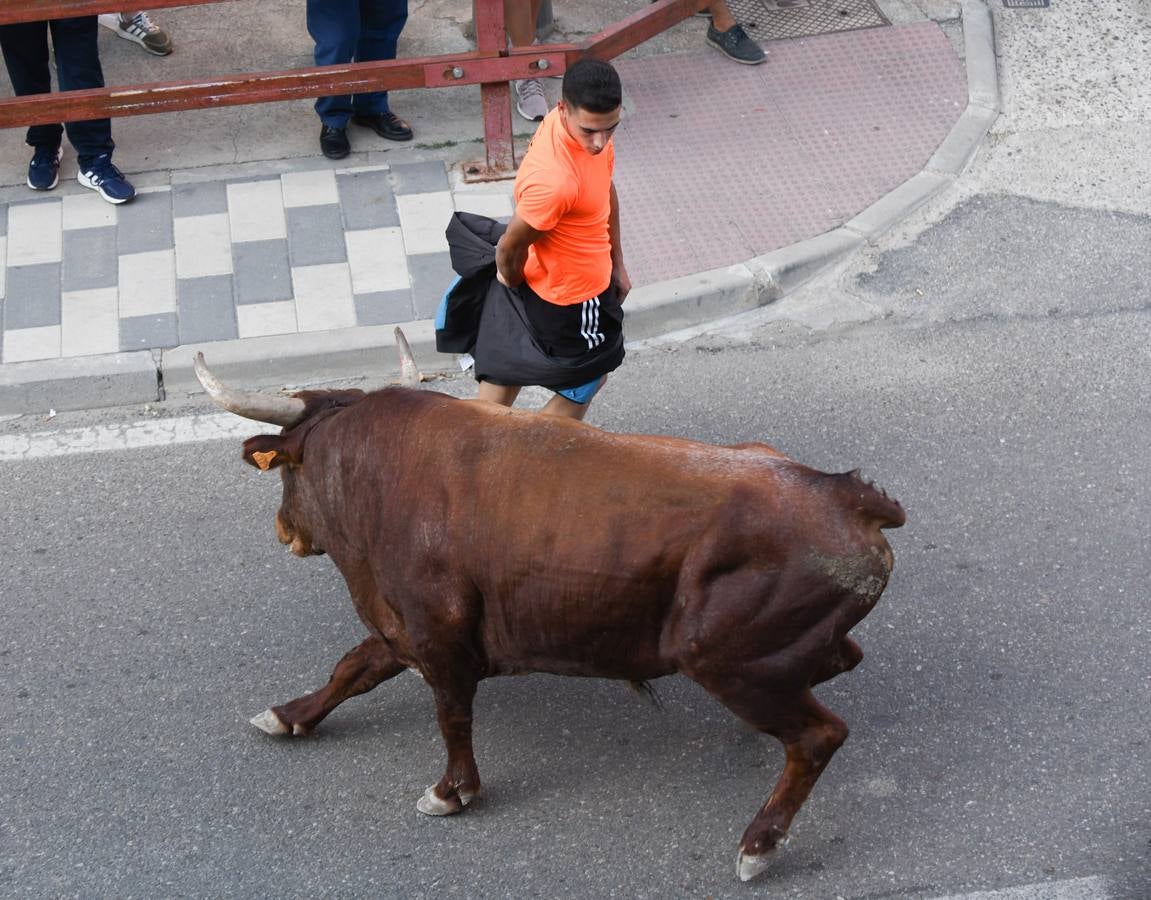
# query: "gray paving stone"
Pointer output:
{"type": "Point", "coordinates": [419, 178]}
{"type": "Point", "coordinates": [384, 307]}
{"type": "Point", "coordinates": [33, 296]}
{"type": "Point", "coordinates": [206, 309]}
{"type": "Point", "coordinates": [261, 271]}
{"type": "Point", "coordinates": [3, 220]}
{"type": "Point", "coordinates": [431, 274]}
{"type": "Point", "coordinates": [199, 199]}
{"type": "Point", "coordinates": [149, 332]}
{"type": "Point", "coordinates": [146, 223]}
{"type": "Point", "coordinates": [90, 259]}
{"type": "Point", "coordinates": [316, 235]}
{"type": "Point", "coordinates": [367, 200]}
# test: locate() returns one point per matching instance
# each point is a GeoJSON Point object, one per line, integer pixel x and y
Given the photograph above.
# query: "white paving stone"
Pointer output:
{"type": "Point", "coordinates": [424, 218]}
{"type": "Point", "coordinates": [147, 283]}
{"type": "Point", "coordinates": [89, 322]}
{"type": "Point", "coordinates": [203, 246]}
{"type": "Point", "coordinates": [87, 211]}
{"type": "Point", "coordinates": [377, 260]}
{"type": "Point", "coordinates": [323, 297]}
{"type": "Point", "coordinates": [494, 206]}
{"type": "Point", "coordinates": [256, 211]}
{"type": "Point", "coordinates": [314, 188]}
{"type": "Point", "coordinates": [34, 233]}
{"type": "Point", "coordinates": [23, 344]}
{"type": "Point", "coordinates": [258, 319]}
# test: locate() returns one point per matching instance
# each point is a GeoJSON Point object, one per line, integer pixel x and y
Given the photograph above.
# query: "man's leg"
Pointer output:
{"type": "Point", "coordinates": [77, 69]}
{"type": "Point", "coordinates": [729, 38]}
{"type": "Point", "coordinates": [504, 395]}
{"type": "Point", "coordinates": [520, 23]}
{"type": "Point", "coordinates": [560, 405]}
{"type": "Point", "coordinates": [25, 49]}
{"type": "Point", "coordinates": [335, 27]}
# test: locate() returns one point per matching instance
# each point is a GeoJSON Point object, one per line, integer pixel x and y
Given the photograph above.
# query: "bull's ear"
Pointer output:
{"type": "Point", "coordinates": [267, 451]}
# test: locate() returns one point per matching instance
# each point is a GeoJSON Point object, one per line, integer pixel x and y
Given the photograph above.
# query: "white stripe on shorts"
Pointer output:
{"type": "Point", "coordinates": [589, 323]}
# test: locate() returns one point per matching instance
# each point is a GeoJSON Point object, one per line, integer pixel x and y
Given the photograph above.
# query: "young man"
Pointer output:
{"type": "Point", "coordinates": [25, 49]}
{"type": "Point", "coordinates": [561, 253]}
{"type": "Point", "coordinates": [356, 31]}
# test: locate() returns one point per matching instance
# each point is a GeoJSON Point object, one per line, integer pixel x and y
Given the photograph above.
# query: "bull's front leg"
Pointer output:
{"type": "Point", "coordinates": [359, 671]}
{"type": "Point", "coordinates": [810, 735]}
{"type": "Point", "coordinates": [461, 782]}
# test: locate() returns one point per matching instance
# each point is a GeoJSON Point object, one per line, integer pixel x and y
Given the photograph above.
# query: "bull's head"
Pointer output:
{"type": "Point", "coordinates": [296, 414]}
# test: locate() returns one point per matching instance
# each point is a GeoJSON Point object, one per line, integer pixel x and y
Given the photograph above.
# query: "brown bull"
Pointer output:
{"type": "Point", "coordinates": [478, 541]}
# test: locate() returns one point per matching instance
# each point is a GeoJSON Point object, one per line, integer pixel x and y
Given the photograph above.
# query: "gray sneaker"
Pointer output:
{"type": "Point", "coordinates": [735, 44]}
{"type": "Point", "coordinates": [531, 103]}
{"type": "Point", "coordinates": [139, 29]}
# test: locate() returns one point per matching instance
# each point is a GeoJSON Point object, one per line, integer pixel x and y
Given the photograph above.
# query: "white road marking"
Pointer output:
{"type": "Point", "coordinates": [128, 436]}
{"type": "Point", "coordinates": [1093, 887]}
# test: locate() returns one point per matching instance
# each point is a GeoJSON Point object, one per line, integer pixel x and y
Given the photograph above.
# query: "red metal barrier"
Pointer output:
{"type": "Point", "coordinates": [491, 65]}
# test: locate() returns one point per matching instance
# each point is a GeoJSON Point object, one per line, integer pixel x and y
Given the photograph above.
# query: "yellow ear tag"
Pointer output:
{"type": "Point", "coordinates": [264, 460]}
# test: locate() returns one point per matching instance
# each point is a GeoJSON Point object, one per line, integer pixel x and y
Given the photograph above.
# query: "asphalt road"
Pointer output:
{"type": "Point", "coordinates": [1000, 720]}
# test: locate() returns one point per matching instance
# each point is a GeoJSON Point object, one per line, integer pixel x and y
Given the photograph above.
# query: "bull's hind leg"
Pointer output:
{"type": "Point", "coordinates": [461, 782]}
{"type": "Point", "coordinates": [359, 671]}
{"type": "Point", "coordinates": [810, 735]}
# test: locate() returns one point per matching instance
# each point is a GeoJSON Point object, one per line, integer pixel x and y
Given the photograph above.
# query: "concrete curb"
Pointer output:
{"type": "Point", "coordinates": [656, 309]}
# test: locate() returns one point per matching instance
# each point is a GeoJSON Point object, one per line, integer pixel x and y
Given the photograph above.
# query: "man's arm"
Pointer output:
{"type": "Point", "coordinates": [619, 274]}
{"type": "Point", "coordinates": [512, 251]}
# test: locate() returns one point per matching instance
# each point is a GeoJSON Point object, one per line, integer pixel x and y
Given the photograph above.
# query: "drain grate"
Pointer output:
{"type": "Point", "coordinates": [1026, 4]}
{"type": "Point", "coordinates": [771, 20]}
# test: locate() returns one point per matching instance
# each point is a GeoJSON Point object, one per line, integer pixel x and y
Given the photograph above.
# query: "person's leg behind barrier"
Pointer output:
{"type": "Point", "coordinates": [382, 22]}
{"type": "Point", "coordinates": [25, 49]}
{"type": "Point", "coordinates": [335, 27]}
{"type": "Point", "coordinates": [75, 42]}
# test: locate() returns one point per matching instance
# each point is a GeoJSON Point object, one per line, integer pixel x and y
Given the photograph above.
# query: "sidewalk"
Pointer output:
{"type": "Point", "coordinates": [735, 183]}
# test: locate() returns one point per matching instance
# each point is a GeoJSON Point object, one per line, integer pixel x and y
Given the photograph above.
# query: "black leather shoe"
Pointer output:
{"type": "Point", "coordinates": [386, 125]}
{"type": "Point", "coordinates": [334, 142]}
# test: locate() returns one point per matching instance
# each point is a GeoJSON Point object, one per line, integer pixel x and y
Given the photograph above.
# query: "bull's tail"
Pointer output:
{"type": "Point", "coordinates": [870, 500]}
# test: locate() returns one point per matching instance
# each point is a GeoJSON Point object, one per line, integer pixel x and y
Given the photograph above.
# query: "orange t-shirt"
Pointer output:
{"type": "Point", "coordinates": [565, 191]}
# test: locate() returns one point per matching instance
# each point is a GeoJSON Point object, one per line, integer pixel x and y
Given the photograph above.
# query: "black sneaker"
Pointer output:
{"type": "Point", "coordinates": [44, 170]}
{"type": "Point", "coordinates": [334, 142]}
{"type": "Point", "coordinates": [735, 44]}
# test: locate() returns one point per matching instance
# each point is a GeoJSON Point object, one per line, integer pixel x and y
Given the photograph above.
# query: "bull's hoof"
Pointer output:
{"type": "Point", "coordinates": [269, 723]}
{"type": "Point", "coordinates": [749, 867]}
{"type": "Point", "coordinates": [431, 805]}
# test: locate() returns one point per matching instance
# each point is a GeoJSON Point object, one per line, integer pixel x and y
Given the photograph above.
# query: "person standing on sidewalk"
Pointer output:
{"type": "Point", "coordinates": [138, 28]}
{"type": "Point", "coordinates": [25, 49]}
{"type": "Point", "coordinates": [561, 257]}
{"type": "Point", "coordinates": [356, 31]}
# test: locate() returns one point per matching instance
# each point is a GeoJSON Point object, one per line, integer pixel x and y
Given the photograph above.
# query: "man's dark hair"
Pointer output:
{"type": "Point", "coordinates": [592, 85]}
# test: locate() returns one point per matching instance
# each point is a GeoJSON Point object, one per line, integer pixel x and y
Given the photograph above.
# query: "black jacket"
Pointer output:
{"type": "Point", "coordinates": [482, 317]}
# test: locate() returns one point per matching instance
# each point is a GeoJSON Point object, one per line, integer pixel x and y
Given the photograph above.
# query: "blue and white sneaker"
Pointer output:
{"type": "Point", "coordinates": [44, 170]}
{"type": "Point", "coordinates": [103, 177]}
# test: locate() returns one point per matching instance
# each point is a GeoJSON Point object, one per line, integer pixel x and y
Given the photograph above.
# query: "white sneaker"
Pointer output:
{"type": "Point", "coordinates": [531, 103]}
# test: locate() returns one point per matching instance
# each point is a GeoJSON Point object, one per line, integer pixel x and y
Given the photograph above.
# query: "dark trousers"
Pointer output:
{"type": "Point", "coordinates": [25, 48]}
{"type": "Point", "coordinates": [354, 31]}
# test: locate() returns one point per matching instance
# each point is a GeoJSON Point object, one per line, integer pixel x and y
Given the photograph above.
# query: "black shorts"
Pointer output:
{"type": "Point", "coordinates": [574, 330]}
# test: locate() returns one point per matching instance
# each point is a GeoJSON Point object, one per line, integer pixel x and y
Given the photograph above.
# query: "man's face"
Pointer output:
{"type": "Point", "coordinates": [592, 131]}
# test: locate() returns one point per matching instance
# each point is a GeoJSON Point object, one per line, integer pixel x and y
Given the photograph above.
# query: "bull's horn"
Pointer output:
{"type": "Point", "coordinates": [409, 372]}
{"type": "Point", "coordinates": [283, 411]}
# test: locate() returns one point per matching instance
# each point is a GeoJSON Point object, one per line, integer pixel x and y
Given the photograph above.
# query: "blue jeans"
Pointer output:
{"type": "Point", "coordinates": [25, 48]}
{"type": "Point", "coordinates": [354, 31]}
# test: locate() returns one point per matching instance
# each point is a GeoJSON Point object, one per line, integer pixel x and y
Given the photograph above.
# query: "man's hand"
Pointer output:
{"type": "Point", "coordinates": [622, 282]}
{"type": "Point", "coordinates": [512, 252]}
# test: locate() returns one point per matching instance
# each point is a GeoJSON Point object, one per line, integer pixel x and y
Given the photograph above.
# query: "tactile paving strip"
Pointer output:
{"type": "Point", "coordinates": [770, 20]}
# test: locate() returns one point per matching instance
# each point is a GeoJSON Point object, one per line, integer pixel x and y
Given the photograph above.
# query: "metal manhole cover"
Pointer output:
{"type": "Point", "coordinates": [770, 20]}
